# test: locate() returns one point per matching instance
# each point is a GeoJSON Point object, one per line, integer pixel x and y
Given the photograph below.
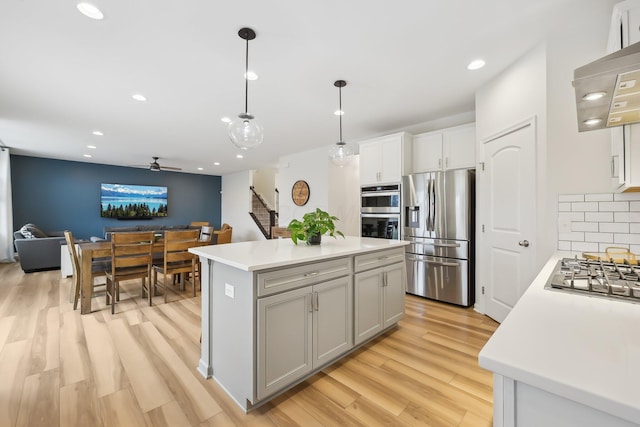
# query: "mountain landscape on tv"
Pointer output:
{"type": "Point", "coordinates": [132, 201]}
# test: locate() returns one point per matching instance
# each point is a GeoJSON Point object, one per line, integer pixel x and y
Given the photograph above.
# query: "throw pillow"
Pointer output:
{"type": "Point", "coordinates": [31, 231]}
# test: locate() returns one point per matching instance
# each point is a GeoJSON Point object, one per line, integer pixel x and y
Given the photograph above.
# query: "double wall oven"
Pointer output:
{"type": "Point", "coordinates": [380, 211]}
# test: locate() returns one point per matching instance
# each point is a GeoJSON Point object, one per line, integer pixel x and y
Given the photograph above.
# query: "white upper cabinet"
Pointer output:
{"type": "Point", "coordinates": [451, 148]}
{"type": "Point", "coordinates": [385, 159]}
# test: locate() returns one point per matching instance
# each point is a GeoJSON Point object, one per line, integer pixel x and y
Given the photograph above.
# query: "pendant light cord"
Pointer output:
{"type": "Point", "coordinates": [341, 112]}
{"type": "Point", "coordinates": [246, 79]}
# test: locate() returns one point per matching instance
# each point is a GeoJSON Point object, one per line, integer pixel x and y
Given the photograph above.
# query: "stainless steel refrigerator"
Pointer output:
{"type": "Point", "coordinates": [439, 218]}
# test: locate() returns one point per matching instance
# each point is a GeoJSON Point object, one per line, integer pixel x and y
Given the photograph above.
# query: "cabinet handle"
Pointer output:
{"type": "Point", "coordinates": [439, 163]}
{"type": "Point", "coordinates": [446, 162]}
{"type": "Point", "coordinates": [311, 303]}
{"type": "Point", "coordinates": [316, 302]}
{"type": "Point", "coordinates": [311, 274]}
{"type": "Point", "coordinates": [384, 278]}
{"type": "Point", "coordinates": [613, 167]}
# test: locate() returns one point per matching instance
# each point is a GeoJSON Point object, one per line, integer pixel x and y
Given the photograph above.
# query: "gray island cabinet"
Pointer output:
{"type": "Point", "coordinates": [274, 313]}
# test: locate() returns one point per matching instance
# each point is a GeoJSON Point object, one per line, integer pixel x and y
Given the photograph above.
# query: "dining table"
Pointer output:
{"type": "Point", "coordinates": [88, 252]}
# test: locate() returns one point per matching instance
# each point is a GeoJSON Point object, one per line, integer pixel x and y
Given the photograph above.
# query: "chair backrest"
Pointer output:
{"type": "Point", "coordinates": [280, 232]}
{"type": "Point", "coordinates": [177, 244]}
{"type": "Point", "coordinates": [224, 234]}
{"type": "Point", "coordinates": [199, 223]}
{"type": "Point", "coordinates": [206, 233]}
{"type": "Point", "coordinates": [71, 246]}
{"type": "Point", "coordinates": [130, 250]}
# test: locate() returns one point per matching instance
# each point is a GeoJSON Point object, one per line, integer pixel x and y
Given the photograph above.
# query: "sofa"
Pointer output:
{"type": "Point", "coordinates": [38, 251]}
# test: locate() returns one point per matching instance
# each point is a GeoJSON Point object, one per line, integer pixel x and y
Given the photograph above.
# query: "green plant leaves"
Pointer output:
{"type": "Point", "coordinates": [316, 222]}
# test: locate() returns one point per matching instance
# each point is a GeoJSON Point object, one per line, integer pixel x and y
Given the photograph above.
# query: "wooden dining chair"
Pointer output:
{"type": "Point", "coordinates": [131, 258]}
{"type": "Point", "coordinates": [98, 268]}
{"type": "Point", "coordinates": [224, 234]}
{"type": "Point", "coordinates": [177, 259]}
{"type": "Point", "coordinates": [199, 223]}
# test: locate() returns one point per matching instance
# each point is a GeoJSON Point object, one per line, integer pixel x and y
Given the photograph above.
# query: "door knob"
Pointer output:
{"type": "Point", "coordinates": [524, 243]}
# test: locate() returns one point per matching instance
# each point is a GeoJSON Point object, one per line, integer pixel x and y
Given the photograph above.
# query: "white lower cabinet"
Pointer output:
{"type": "Point", "coordinates": [301, 330]}
{"type": "Point", "coordinates": [378, 300]}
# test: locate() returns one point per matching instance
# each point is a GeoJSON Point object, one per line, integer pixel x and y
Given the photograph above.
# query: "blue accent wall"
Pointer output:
{"type": "Point", "coordinates": [62, 195]}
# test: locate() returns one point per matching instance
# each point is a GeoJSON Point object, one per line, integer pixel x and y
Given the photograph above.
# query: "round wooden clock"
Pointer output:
{"type": "Point", "coordinates": [300, 193]}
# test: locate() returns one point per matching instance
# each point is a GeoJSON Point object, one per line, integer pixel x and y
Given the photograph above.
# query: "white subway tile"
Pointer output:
{"type": "Point", "coordinates": [606, 197]}
{"type": "Point", "coordinates": [627, 217]}
{"type": "Point", "coordinates": [599, 216]}
{"type": "Point", "coordinates": [564, 246]}
{"type": "Point", "coordinates": [626, 196]}
{"type": "Point", "coordinates": [634, 206]}
{"type": "Point", "coordinates": [584, 247]}
{"type": "Point", "coordinates": [634, 228]}
{"type": "Point", "coordinates": [614, 227]}
{"type": "Point", "coordinates": [571, 198]}
{"type": "Point", "coordinates": [584, 226]}
{"type": "Point", "coordinates": [574, 236]}
{"type": "Point", "coordinates": [627, 238]}
{"type": "Point", "coordinates": [613, 206]}
{"type": "Point", "coordinates": [584, 206]}
{"type": "Point", "coordinates": [564, 207]}
{"type": "Point", "coordinates": [635, 249]}
{"type": "Point", "coordinates": [598, 237]}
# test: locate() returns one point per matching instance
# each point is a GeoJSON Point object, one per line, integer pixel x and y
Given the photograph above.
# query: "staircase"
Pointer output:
{"type": "Point", "coordinates": [262, 215]}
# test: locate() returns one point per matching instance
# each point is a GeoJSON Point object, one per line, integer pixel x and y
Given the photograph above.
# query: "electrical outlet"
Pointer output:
{"type": "Point", "coordinates": [229, 290]}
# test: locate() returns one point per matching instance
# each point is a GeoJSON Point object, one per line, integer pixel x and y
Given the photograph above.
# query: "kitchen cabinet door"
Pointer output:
{"type": "Point", "coordinates": [332, 320]}
{"type": "Point", "coordinates": [368, 298]}
{"type": "Point", "coordinates": [285, 345]}
{"type": "Point", "coordinates": [427, 152]}
{"type": "Point", "coordinates": [394, 289]}
{"type": "Point", "coordinates": [385, 159]}
{"type": "Point", "coordinates": [459, 146]}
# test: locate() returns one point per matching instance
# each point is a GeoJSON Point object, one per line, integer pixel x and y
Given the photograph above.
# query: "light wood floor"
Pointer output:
{"type": "Point", "coordinates": [137, 368]}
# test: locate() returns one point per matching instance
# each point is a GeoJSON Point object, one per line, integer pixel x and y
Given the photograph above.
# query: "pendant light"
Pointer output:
{"type": "Point", "coordinates": [340, 153]}
{"type": "Point", "coordinates": [245, 132]}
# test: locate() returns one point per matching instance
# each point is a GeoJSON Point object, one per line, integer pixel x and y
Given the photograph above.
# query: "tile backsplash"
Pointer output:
{"type": "Point", "coordinates": [593, 222]}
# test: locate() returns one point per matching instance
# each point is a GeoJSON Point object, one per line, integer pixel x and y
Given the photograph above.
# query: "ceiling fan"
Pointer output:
{"type": "Point", "coordinates": [155, 166]}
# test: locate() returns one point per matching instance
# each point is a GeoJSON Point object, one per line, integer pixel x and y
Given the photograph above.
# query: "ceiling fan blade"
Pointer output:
{"type": "Point", "coordinates": [170, 168]}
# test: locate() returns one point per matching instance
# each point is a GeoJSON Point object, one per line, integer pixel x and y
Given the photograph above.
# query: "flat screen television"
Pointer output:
{"type": "Point", "coordinates": [124, 201]}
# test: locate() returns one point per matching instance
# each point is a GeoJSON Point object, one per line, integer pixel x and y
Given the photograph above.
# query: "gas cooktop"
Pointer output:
{"type": "Point", "coordinates": [597, 278]}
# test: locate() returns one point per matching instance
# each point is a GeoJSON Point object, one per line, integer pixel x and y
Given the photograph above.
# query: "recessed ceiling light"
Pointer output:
{"type": "Point", "coordinates": [97, 133]}
{"type": "Point", "coordinates": [216, 163]}
{"type": "Point", "coordinates": [226, 119]}
{"type": "Point", "coordinates": [139, 97]}
{"type": "Point", "coordinates": [239, 156]}
{"type": "Point", "coordinates": [592, 122]}
{"type": "Point", "coordinates": [200, 169]}
{"type": "Point", "coordinates": [90, 11]}
{"type": "Point", "coordinates": [250, 75]}
{"type": "Point", "coordinates": [339, 113]}
{"type": "Point", "coordinates": [476, 64]}
{"type": "Point", "coordinates": [93, 147]}
{"type": "Point", "coordinates": [593, 96]}
{"type": "Point", "coordinates": [87, 155]}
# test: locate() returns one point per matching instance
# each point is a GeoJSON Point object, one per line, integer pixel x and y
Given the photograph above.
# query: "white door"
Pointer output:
{"type": "Point", "coordinates": [508, 250]}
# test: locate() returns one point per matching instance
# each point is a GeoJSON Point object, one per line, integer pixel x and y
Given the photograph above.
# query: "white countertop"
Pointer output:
{"type": "Point", "coordinates": [586, 349]}
{"type": "Point", "coordinates": [264, 254]}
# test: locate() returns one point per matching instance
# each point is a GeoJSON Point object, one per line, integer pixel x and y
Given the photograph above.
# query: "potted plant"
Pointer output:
{"type": "Point", "coordinates": [313, 226]}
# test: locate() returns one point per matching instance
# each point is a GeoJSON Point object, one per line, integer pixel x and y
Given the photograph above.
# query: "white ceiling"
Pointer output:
{"type": "Point", "coordinates": [63, 75]}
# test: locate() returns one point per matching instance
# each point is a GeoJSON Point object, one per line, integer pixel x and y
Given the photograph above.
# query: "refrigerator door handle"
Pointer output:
{"type": "Point", "coordinates": [433, 205]}
{"type": "Point", "coordinates": [428, 223]}
{"type": "Point", "coordinates": [432, 262]}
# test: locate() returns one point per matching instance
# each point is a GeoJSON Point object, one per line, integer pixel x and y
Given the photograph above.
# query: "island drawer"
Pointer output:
{"type": "Point", "coordinates": [275, 281]}
{"type": "Point", "coordinates": [378, 259]}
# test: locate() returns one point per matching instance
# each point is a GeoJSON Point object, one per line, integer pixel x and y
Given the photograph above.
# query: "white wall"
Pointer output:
{"type": "Point", "coordinates": [236, 205]}
{"type": "Point", "coordinates": [344, 196]}
{"type": "Point", "coordinates": [264, 181]}
{"type": "Point", "coordinates": [539, 84]}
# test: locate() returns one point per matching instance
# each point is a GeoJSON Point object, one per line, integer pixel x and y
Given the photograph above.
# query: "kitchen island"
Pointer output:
{"type": "Point", "coordinates": [275, 313]}
{"type": "Point", "coordinates": [562, 359]}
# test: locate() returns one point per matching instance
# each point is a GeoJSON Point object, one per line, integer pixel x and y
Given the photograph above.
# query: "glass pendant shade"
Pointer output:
{"type": "Point", "coordinates": [340, 154]}
{"type": "Point", "coordinates": [245, 132]}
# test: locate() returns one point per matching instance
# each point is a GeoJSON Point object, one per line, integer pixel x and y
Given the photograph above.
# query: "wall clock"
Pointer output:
{"type": "Point", "coordinates": [300, 193]}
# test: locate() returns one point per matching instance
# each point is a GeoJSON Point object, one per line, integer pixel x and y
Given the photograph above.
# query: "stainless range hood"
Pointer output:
{"type": "Point", "coordinates": [608, 90]}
